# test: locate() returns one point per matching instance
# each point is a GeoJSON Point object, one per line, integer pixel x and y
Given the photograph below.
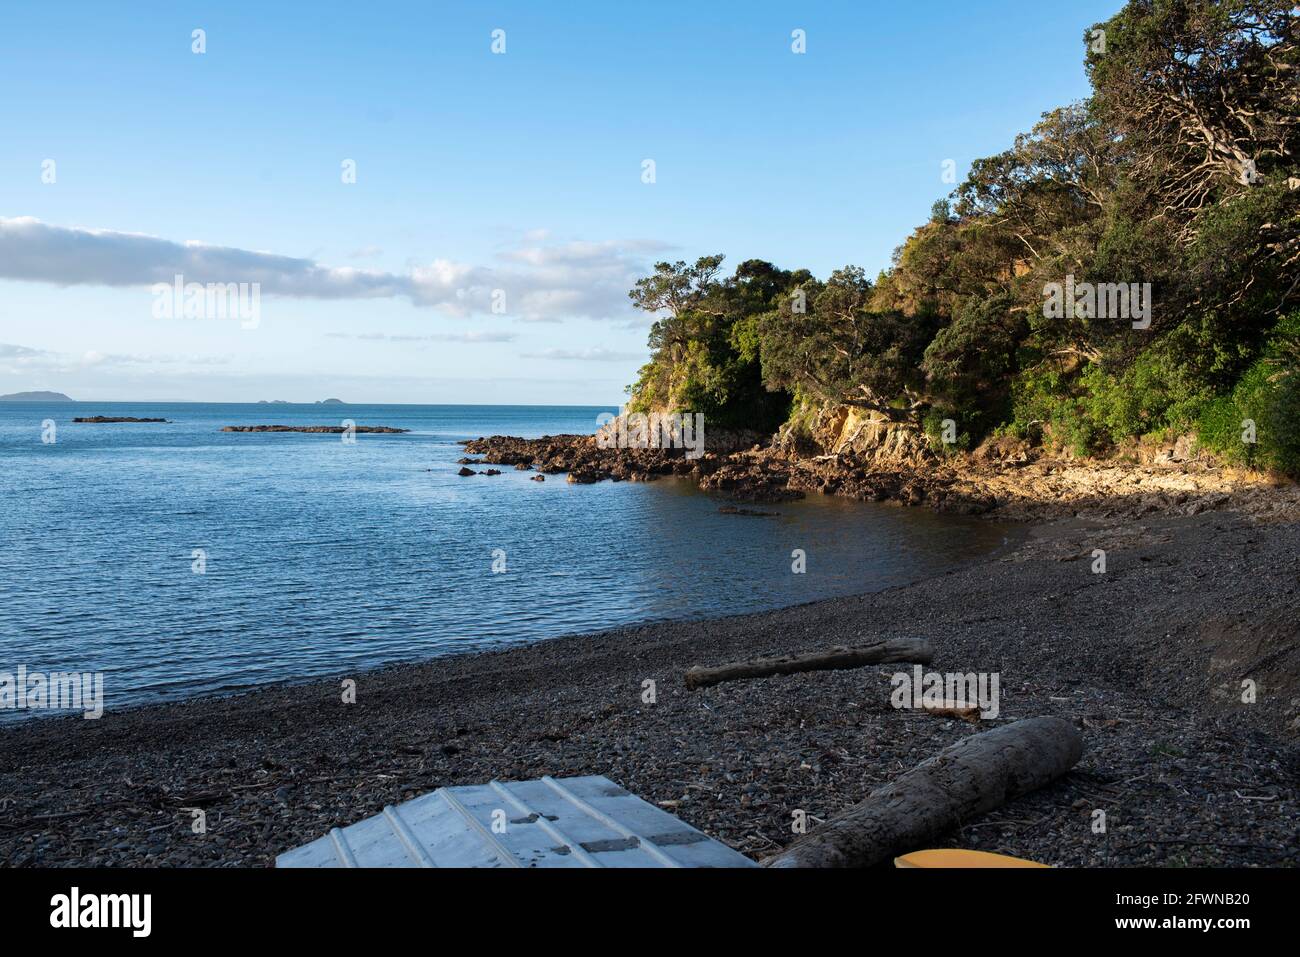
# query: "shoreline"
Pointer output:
{"type": "Point", "coordinates": [1011, 544]}
{"type": "Point", "coordinates": [1003, 479]}
{"type": "Point", "coordinates": [1147, 676]}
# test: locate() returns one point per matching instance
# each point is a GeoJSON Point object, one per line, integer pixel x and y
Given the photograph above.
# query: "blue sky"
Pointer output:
{"type": "Point", "coordinates": [475, 172]}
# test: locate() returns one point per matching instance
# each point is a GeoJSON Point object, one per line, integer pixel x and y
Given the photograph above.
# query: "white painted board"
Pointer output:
{"type": "Point", "coordinates": [549, 822]}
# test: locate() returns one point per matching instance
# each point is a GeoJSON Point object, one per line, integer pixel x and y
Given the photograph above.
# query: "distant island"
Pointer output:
{"type": "Point", "coordinates": [115, 418]}
{"type": "Point", "coordinates": [286, 402]}
{"type": "Point", "coordinates": [35, 397]}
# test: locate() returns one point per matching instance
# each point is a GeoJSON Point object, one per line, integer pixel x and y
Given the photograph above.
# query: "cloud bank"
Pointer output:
{"type": "Point", "coordinates": [473, 336]}
{"type": "Point", "coordinates": [538, 281]}
{"type": "Point", "coordinates": [585, 355]}
{"type": "Point", "coordinates": [19, 360]}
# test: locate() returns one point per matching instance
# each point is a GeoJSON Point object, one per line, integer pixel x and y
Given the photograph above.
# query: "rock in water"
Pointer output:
{"type": "Point", "coordinates": [327, 429]}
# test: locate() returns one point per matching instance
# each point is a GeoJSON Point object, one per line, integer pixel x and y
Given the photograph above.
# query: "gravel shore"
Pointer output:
{"type": "Point", "coordinates": [1149, 659]}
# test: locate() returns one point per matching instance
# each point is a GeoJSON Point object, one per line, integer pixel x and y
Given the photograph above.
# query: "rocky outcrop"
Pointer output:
{"type": "Point", "coordinates": [1004, 477]}
{"type": "Point", "coordinates": [625, 431]}
{"type": "Point", "coordinates": [870, 438]}
{"type": "Point", "coordinates": [99, 419]}
{"type": "Point", "coordinates": [328, 429]}
{"type": "Point", "coordinates": [582, 458]}
{"type": "Point", "coordinates": [751, 477]}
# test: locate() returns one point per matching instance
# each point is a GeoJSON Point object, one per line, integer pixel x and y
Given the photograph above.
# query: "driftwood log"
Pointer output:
{"type": "Point", "coordinates": [963, 781]}
{"type": "Point", "coordinates": [911, 650]}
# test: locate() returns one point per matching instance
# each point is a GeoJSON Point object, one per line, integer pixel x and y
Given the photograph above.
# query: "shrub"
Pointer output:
{"type": "Point", "coordinates": [1153, 394]}
{"type": "Point", "coordinates": [1267, 396]}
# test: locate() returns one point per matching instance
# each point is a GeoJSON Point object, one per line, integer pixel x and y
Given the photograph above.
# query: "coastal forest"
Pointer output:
{"type": "Point", "coordinates": [1177, 179]}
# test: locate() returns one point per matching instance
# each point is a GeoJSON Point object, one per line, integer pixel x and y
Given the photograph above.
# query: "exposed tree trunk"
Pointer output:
{"type": "Point", "coordinates": [911, 650]}
{"type": "Point", "coordinates": [959, 783]}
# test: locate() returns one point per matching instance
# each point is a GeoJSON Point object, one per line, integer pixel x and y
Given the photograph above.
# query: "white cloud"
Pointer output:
{"type": "Point", "coordinates": [585, 355]}
{"type": "Point", "coordinates": [540, 280]}
{"type": "Point", "coordinates": [8, 351]}
{"type": "Point", "coordinates": [472, 336]}
{"type": "Point", "coordinates": [16, 360]}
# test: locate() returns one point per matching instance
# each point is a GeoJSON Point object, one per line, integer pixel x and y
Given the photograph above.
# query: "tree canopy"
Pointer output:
{"type": "Point", "coordinates": [1177, 180]}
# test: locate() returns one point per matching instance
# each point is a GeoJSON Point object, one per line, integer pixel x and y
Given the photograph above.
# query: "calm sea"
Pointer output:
{"type": "Point", "coordinates": [322, 558]}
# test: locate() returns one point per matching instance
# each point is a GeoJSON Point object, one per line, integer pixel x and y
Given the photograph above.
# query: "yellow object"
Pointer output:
{"type": "Point", "coordinates": [952, 858]}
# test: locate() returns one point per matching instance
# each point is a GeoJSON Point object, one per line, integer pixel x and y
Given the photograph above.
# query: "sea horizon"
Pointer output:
{"type": "Point", "coordinates": [483, 405]}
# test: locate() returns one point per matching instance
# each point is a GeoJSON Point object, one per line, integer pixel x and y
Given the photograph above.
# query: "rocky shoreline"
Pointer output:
{"type": "Point", "coordinates": [1147, 659]}
{"type": "Point", "coordinates": [1007, 480]}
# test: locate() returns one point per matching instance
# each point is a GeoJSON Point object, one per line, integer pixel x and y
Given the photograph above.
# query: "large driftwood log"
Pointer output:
{"type": "Point", "coordinates": [911, 650]}
{"type": "Point", "coordinates": [963, 781]}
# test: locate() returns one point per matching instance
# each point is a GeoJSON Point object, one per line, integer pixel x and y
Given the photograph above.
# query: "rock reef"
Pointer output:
{"type": "Point", "coordinates": [1003, 477]}
{"type": "Point", "coordinates": [328, 429]}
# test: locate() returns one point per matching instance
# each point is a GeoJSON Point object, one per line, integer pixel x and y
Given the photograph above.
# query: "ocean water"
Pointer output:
{"type": "Point", "coordinates": [324, 558]}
